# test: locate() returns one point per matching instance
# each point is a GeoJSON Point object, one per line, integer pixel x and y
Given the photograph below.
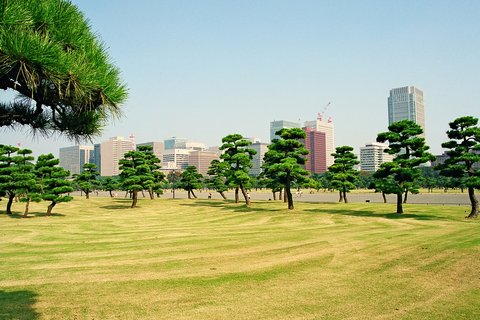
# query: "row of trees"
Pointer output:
{"type": "Point", "coordinates": [282, 168]}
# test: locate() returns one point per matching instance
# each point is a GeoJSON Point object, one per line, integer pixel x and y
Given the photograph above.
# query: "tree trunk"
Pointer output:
{"type": "Point", "coordinates": [87, 194]}
{"type": "Point", "coordinates": [274, 195]}
{"type": "Point", "coordinates": [223, 195]}
{"type": "Point", "coordinates": [384, 197]}
{"type": "Point", "coordinates": [399, 203]}
{"type": "Point", "coordinates": [143, 194]}
{"type": "Point", "coordinates": [341, 196]}
{"type": "Point", "coordinates": [473, 202]}
{"type": "Point", "coordinates": [151, 194]}
{"type": "Point", "coordinates": [288, 196]}
{"type": "Point", "coordinates": [11, 196]}
{"type": "Point", "coordinates": [193, 194]}
{"type": "Point", "coordinates": [134, 198]}
{"type": "Point", "coordinates": [111, 194]}
{"type": "Point", "coordinates": [280, 196]}
{"type": "Point", "coordinates": [173, 193]}
{"type": "Point", "coordinates": [244, 192]}
{"type": "Point", "coordinates": [285, 197]}
{"type": "Point", "coordinates": [189, 194]}
{"type": "Point", "coordinates": [126, 193]}
{"type": "Point", "coordinates": [50, 208]}
{"type": "Point", "coordinates": [345, 195]}
{"type": "Point", "coordinates": [236, 195]}
{"type": "Point", "coordinates": [406, 197]}
{"type": "Point", "coordinates": [26, 208]}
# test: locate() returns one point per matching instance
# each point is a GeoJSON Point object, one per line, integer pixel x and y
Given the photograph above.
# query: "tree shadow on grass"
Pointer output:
{"type": "Point", "coordinates": [229, 205]}
{"type": "Point", "coordinates": [16, 215]}
{"type": "Point", "coordinates": [18, 305]}
{"type": "Point", "coordinates": [365, 213]}
{"type": "Point", "coordinates": [119, 204]}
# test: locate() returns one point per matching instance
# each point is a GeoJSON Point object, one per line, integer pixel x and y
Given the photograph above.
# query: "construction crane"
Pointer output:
{"type": "Point", "coordinates": [321, 114]}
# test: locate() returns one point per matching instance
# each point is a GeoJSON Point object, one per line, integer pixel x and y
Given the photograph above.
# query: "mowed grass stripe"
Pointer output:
{"type": "Point", "coordinates": [210, 259]}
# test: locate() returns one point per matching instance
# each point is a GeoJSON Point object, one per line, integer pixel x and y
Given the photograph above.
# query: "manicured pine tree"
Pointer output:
{"type": "Point", "coordinates": [62, 76]}
{"type": "Point", "coordinates": [136, 174]}
{"type": "Point", "coordinates": [284, 159]}
{"type": "Point", "coordinates": [154, 163]}
{"type": "Point", "coordinates": [463, 159]}
{"type": "Point", "coordinates": [190, 180]}
{"type": "Point", "coordinates": [7, 180]}
{"type": "Point", "coordinates": [217, 177]}
{"type": "Point", "coordinates": [239, 159]}
{"type": "Point", "coordinates": [343, 174]}
{"type": "Point", "coordinates": [26, 183]}
{"type": "Point", "coordinates": [410, 151]}
{"type": "Point", "coordinates": [87, 179]}
{"type": "Point", "coordinates": [53, 181]}
{"type": "Point", "coordinates": [109, 184]}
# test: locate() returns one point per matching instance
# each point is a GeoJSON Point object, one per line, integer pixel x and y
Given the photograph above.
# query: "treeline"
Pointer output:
{"type": "Point", "coordinates": [283, 170]}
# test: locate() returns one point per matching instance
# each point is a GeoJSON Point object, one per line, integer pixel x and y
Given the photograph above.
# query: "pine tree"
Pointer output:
{"type": "Point", "coordinates": [410, 151]}
{"type": "Point", "coordinates": [53, 181]}
{"type": "Point", "coordinates": [239, 159]}
{"type": "Point", "coordinates": [284, 159]}
{"type": "Point", "coordinates": [343, 174]}
{"type": "Point", "coordinates": [463, 159]}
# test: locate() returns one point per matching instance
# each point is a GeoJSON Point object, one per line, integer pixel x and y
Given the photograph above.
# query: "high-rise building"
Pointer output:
{"type": "Point", "coordinates": [73, 158]}
{"type": "Point", "coordinates": [316, 143]}
{"type": "Point", "coordinates": [406, 103]}
{"type": "Point", "coordinates": [157, 148]}
{"type": "Point", "coordinates": [175, 143]}
{"type": "Point", "coordinates": [257, 159]}
{"type": "Point", "coordinates": [110, 152]}
{"type": "Point", "coordinates": [328, 128]}
{"type": "Point", "coordinates": [177, 158]}
{"type": "Point", "coordinates": [202, 160]}
{"type": "Point", "coordinates": [281, 124]}
{"type": "Point", "coordinates": [373, 155]}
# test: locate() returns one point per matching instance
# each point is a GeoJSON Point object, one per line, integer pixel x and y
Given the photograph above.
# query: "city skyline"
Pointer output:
{"type": "Point", "coordinates": [205, 70]}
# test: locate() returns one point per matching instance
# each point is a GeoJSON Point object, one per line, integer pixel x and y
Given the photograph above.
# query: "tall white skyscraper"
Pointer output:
{"type": "Point", "coordinates": [406, 103]}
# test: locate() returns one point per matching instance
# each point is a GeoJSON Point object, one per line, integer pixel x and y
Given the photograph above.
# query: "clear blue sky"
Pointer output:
{"type": "Point", "coordinates": [204, 69]}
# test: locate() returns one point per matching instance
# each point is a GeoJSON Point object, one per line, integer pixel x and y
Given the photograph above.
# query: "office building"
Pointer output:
{"type": "Point", "coordinates": [316, 143]}
{"type": "Point", "coordinates": [73, 158]}
{"type": "Point", "coordinates": [175, 143]}
{"type": "Point", "coordinates": [281, 124]}
{"type": "Point", "coordinates": [373, 155]}
{"type": "Point", "coordinates": [157, 148]}
{"type": "Point", "coordinates": [176, 158]}
{"type": "Point", "coordinates": [257, 159]}
{"type": "Point", "coordinates": [328, 128]}
{"type": "Point", "coordinates": [406, 103]}
{"type": "Point", "coordinates": [110, 152]}
{"type": "Point", "coordinates": [202, 160]}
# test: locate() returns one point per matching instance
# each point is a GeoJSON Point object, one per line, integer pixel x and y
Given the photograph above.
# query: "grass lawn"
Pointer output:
{"type": "Point", "coordinates": [209, 259]}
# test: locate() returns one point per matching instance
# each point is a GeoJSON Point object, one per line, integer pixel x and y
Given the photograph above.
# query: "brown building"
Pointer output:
{"type": "Point", "coordinates": [316, 144]}
{"type": "Point", "coordinates": [202, 159]}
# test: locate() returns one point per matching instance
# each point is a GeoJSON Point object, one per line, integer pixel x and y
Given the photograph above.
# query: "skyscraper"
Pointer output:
{"type": "Point", "coordinates": [406, 103]}
{"type": "Point", "coordinates": [328, 128]}
{"type": "Point", "coordinates": [277, 125]}
{"type": "Point", "coordinates": [111, 152]}
{"type": "Point", "coordinates": [257, 159]}
{"type": "Point", "coordinates": [73, 158]}
{"type": "Point", "coordinates": [315, 143]}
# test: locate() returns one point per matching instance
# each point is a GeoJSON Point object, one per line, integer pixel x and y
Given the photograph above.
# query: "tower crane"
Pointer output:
{"type": "Point", "coordinates": [321, 114]}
